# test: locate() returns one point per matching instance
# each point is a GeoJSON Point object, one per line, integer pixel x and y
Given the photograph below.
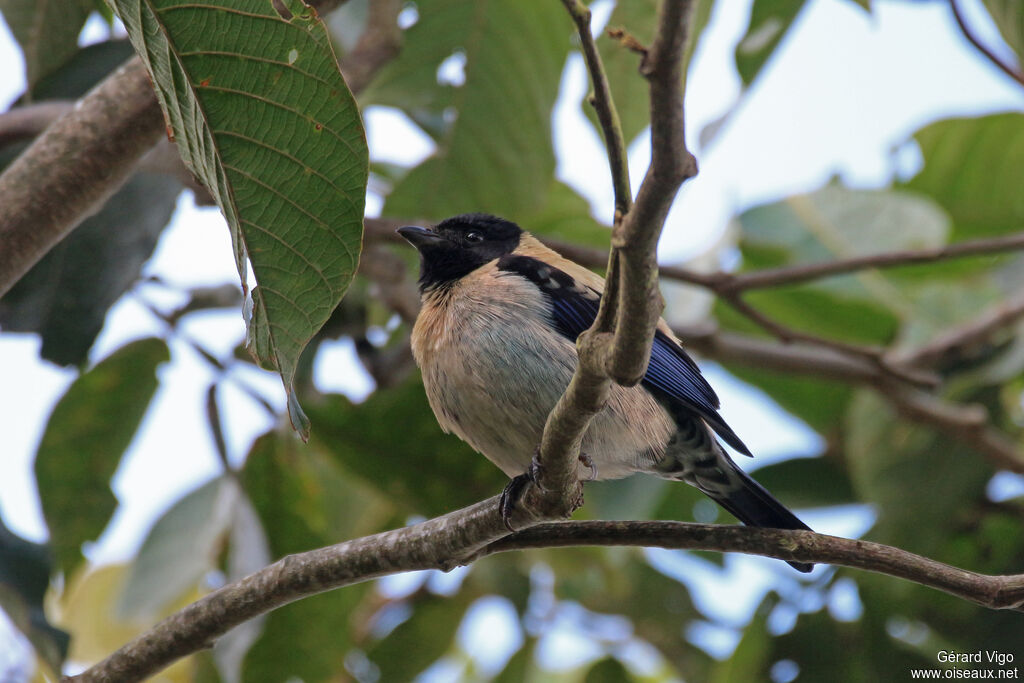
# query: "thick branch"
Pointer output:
{"type": "Point", "coordinates": [86, 155]}
{"type": "Point", "coordinates": [72, 168]}
{"type": "Point", "coordinates": [378, 45]}
{"type": "Point", "coordinates": [476, 532]}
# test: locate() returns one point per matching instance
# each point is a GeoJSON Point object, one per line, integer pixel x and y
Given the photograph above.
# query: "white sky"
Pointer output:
{"type": "Point", "coordinates": [843, 93]}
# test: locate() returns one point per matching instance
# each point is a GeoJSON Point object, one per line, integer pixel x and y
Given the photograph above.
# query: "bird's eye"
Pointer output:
{"type": "Point", "coordinates": [474, 236]}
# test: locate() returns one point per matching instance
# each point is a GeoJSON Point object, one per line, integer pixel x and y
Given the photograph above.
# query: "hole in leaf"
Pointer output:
{"type": "Point", "coordinates": [281, 9]}
{"type": "Point", "coordinates": [452, 71]}
{"type": "Point", "coordinates": [408, 17]}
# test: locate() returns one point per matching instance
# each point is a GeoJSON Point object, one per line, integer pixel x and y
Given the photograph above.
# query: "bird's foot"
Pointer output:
{"type": "Point", "coordinates": [515, 488]}
{"type": "Point", "coordinates": [589, 462]}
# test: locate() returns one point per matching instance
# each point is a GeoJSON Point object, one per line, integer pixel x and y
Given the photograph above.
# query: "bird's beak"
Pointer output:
{"type": "Point", "coordinates": [421, 237]}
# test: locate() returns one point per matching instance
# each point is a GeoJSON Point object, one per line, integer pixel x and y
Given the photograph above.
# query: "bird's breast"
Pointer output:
{"type": "Point", "coordinates": [494, 367]}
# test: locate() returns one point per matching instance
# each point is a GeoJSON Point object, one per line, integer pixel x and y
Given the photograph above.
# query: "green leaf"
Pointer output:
{"type": "Point", "coordinates": [303, 498]}
{"type": "Point", "coordinates": [24, 577]}
{"type": "Point", "coordinates": [1009, 18]}
{"type": "Point", "coordinates": [770, 20]}
{"type": "Point", "coordinates": [263, 117]}
{"type": "Point", "coordinates": [819, 403]}
{"type": "Point", "coordinates": [607, 670]}
{"type": "Point", "coordinates": [911, 475]}
{"type": "Point", "coordinates": [659, 607]}
{"type": "Point", "coordinates": [565, 215]}
{"type": "Point", "coordinates": [303, 502]}
{"type": "Point", "coordinates": [85, 68]}
{"type": "Point", "coordinates": [181, 547]}
{"type": "Point", "coordinates": [630, 498]}
{"type": "Point", "coordinates": [970, 168]}
{"type": "Point", "coordinates": [46, 30]}
{"type": "Point", "coordinates": [808, 482]}
{"type": "Point", "coordinates": [389, 439]}
{"type": "Point", "coordinates": [497, 155]}
{"type": "Point", "coordinates": [750, 659]}
{"type": "Point", "coordinates": [85, 437]}
{"type": "Point", "coordinates": [421, 639]}
{"type": "Point", "coordinates": [835, 222]}
{"type": "Point", "coordinates": [629, 89]}
{"type": "Point", "coordinates": [65, 297]}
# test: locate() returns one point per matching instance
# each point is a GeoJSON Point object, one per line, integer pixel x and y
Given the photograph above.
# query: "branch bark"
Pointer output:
{"type": "Point", "coordinates": [75, 166]}
{"type": "Point", "coordinates": [477, 531]}
{"type": "Point", "coordinates": [618, 345]}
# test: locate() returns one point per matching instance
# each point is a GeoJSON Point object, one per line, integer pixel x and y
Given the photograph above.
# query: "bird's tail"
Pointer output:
{"type": "Point", "coordinates": [751, 503]}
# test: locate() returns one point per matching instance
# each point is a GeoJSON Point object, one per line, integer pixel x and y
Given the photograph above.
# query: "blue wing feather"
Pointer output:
{"type": "Point", "coordinates": [671, 375]}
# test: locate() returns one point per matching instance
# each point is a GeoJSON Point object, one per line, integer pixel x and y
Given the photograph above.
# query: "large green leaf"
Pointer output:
{"type": "Point", "coordinates": [770, 20]}
{"type": "Point", "coordinates": [834, 223]}
{"type": "Point", "coordinates": [381, 439]}
{"type": "Point", "coordinates": [304, 502]}
{"type": "Point", "coordinates": [808, 482]}
{"type": "Point", "coordinates": [261, 114]}
{"type": "Point", "coordinates": [421, 639]}
{"type": "Point", "coordinates": [566, 216]}
{"type": "Point", "coordinates": [181, 547]}
{"type": "Point", "coordinates": [47, 31]}
{"type": "Point", "coordinates": [971, 168]}
{"type": "Point", "coordinates": [911, 475]}
{"type": "Point", "coordinates": [88, 431]}
{"type": "Point", "coordinates": [497, 155]}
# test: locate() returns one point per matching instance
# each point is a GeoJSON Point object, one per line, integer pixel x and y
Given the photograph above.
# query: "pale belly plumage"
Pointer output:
{"type": "Point", "coordinates": [493, 370]}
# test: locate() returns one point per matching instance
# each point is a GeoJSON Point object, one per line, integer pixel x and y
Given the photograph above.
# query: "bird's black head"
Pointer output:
{"type": "Point", "coordinates": [459, 245]}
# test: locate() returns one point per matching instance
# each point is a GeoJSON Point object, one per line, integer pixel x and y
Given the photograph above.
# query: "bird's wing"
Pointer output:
{"type": "Point", "coordinates": [671, 375]}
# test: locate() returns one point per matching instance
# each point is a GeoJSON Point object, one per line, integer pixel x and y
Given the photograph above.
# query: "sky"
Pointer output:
{"type": "Point", "coordinates": [840, 98]}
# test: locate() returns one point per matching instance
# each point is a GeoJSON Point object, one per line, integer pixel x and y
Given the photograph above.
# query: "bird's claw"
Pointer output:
{"type": "Point", "coordinates": [515, 488]}
{"type": "Point", "coordinates": [589, 462]}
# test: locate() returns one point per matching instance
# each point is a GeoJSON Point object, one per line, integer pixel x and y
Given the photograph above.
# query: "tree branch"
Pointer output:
{"type": "Point", "coordinates": [992, 57]}
{"type": "Point", "coordinates": [604, 106]}
{"type": "Point", "coordinates": [618, 344]}
{"type": "Point", "coordinates": [791, 275]}
{"type": "Point", "coordinates": [379, 44]}
{"type": "Point", "coordinates": [75, 166]}
{"type": "Point", "coordinates": [86, 155]}
{"type": "Point", "coordinates": [958, 340]}
{"type": "Point", "coordinates": [477, 531]}
{"type": "Point", "coordinates": [30, 120]}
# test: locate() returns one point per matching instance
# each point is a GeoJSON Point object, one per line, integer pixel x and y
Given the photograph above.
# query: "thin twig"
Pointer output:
{"type": "Point", "coordinates": [477, 531]}
{"type": "Point", "coordinates": [971, 334]}
{"type": "Point", "coordinates": [992, 57]}
{"type": "Point", "coordinates": [604, 106]}
{"type": "Point", "coordinates": [791, 275]}
{"type": "Point", "coordinates": [968, 424]}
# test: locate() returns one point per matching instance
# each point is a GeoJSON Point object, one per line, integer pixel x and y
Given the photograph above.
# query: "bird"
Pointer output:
{"type": "Point", "coordinates": [495, 340]}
